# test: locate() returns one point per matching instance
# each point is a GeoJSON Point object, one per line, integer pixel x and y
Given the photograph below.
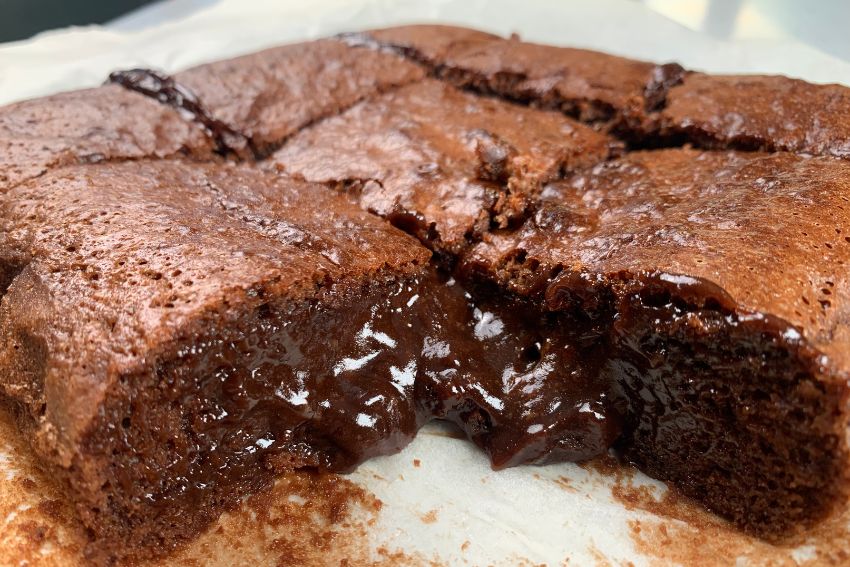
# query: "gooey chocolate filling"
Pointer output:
{"type": "Point", "coordinates": [666, 373]}
{"type": "Point", "coordinates": [329, 384]}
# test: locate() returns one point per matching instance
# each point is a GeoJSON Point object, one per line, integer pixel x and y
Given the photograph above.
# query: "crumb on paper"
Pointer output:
{"type": "Point", "coordinates": [429, 517]}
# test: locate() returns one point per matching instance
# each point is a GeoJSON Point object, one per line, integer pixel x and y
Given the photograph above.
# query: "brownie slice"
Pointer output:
{"type": "Point", "coordinates": [172, 332]}
{"type": "Point", "coordinates": [717, 278]}
{"type": "Point", "coordinates": [616, 92]}
{"type": "Point", "coordinates": [440, 162]}
{"type": "Point", "coordinates": [89, 126]}
{"type": "Point", "coordinates": [269, 95]}
{"type": "Point", "coordinates": [754, 112]}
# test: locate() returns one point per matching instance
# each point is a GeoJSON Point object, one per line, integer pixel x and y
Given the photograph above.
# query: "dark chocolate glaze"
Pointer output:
{"type": "Point", "coordinates": [168, 91]}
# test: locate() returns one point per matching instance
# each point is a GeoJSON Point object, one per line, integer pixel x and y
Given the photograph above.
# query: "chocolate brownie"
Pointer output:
{"type": "Point", "coordinates": [270, 95]}
{"type": "Point", "coordinates": [176, 333]}
{"type": "Point", "coordinates": [616, 92]}
{"type": "Point", "coordinates": [441, 162]}
{"type": "Point", "coordinates": [645, 103]}
{"type": "Point", "coordinates": [717, 279]}
{"type": "Point", "coordinates": [89, 126]}
{"type": "Point", "coordinates": [753, 112]}
{"type": "Point", "coordinates": [164, 333]}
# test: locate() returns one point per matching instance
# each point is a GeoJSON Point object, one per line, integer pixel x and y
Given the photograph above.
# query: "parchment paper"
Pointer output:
{"type": "Point", "coordinates": [440, 501]}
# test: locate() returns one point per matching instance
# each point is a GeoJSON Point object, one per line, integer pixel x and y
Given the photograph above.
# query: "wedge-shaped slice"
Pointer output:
{"type": "Point", "coordinates": [721, 279]}
{"type": "Point", "coordinates": [440, 162]}
{"type": "Point", "coordinates": [107, 123]}
{"type": "Point", "coordinates": [781, 114]}
{"type": "Point", "coordinates": [616, 92]}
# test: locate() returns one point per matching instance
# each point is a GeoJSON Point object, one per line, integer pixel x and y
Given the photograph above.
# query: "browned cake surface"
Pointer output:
{"type": "Point", "coordinates": [440, 161]}
{"type": "Point", "coordinates": [639, 100]}
{"type": "Point", "coordinates": [782, 114]}
{"type": "Point", "coordinates": [592, 86]}
{"type": "Point", "coordinates": [142, 279]}
{"type": "Point", "coordinates": [683, 211]}
{"type": "Point", "coordinates": [89, 126]}
{"type": "Point", "coordinates": [270, 95]}
{"type": "Point", "coordinates": [175, 333]}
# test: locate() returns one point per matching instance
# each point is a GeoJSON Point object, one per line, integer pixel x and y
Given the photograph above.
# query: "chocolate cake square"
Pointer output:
{"type": "Point", "coordinates": [718, 280]}
{"type": "Point", "coordinates": [789, 114]}
{"type": "Point", "coordinates": [167, 328]}
{"type": "Point", "coordinates": [613, 92]}
{"type": "Point", "coordinates": [106, 123]}
{"type": "Point", "coordinates": [441, 162]}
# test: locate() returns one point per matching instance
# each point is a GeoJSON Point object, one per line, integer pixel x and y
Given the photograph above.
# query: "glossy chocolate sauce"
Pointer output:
{"type": "Point", "coordinates": [331, 387]}
{"type": "Point", "coordinates": [333, 382]}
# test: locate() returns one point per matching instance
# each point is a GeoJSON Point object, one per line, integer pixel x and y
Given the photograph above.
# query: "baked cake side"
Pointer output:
{"type": "Point", "coordinates": [156, 326]}
{"type": "Point", "coordinates": [717, 278]}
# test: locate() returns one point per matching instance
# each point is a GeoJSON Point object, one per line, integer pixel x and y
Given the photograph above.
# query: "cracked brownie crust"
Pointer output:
{"type": "Point", "coordinates": [271, 95]}
{"type": "Point", "coordinates": [611, 92]}
{"type": "Point", "coordinates": [792, 115]}
{"type": "Point", "coordinates": [441, 162]}
{"type": "Point", "coordinates": [296, 258]}
{"type": "Point", "coordinates": [106, 123]}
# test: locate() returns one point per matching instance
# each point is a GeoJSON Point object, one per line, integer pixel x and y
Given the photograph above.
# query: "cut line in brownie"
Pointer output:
{"type": "Point", "coordinates": [88, 126]}
{"type": "Point", "coordinates": [169, 92]}
{"type": "Point", "coordinates": [616, 93]}
{"type": "Point", "coordinates": [439, 162]}
{"type": "Point", "coordinates": [720, 276]}
{"type": "Point", "coordinates": [259, 100]}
